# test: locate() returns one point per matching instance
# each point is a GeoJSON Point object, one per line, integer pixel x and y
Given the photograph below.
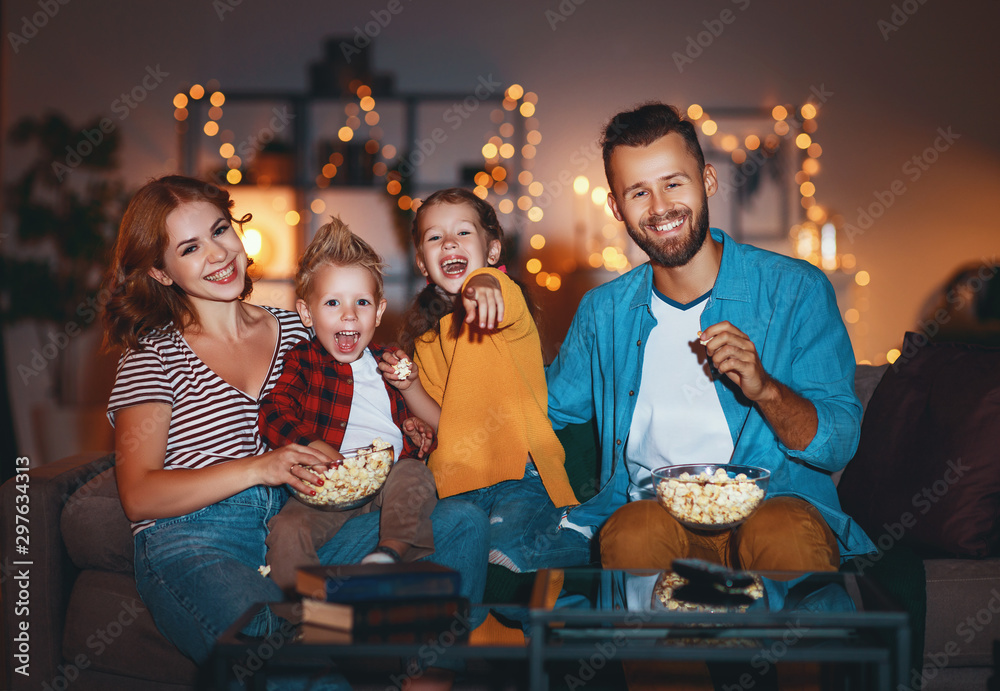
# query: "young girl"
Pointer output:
{"type": "Point", "coordinates": [479, 356]}
{"type": "Point", "coordinates": [194, 477]}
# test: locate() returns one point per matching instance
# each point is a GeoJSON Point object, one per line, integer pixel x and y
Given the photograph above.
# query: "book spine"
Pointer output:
{"type": "Point", "coordinates": [398, 587]}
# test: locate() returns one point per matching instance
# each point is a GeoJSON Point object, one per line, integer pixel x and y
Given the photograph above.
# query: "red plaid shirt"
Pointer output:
{"type": "Point", "coordinates": [312, 400]}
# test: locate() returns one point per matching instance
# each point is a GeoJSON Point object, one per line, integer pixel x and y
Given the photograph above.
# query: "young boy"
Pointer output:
{"type": "Point", "coordinates": [331, 396]}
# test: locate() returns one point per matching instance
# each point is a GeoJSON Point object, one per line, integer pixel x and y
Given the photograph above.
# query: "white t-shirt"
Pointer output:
{"type": "Point", "coordinates": [678, 417]}
{"type": "Point", "coordinates": [371, 414]}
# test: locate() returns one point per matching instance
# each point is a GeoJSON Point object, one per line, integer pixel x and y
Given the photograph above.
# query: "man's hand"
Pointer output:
{"type": "Point", "coordinates": [733, 354]}
{"type": "Point", "coordinates": [483, 302]}
{"type": "Point", "coordinates": [420, 433]}
{"type": "Point", "coordinates": [792, 417]}
{"type": "Point", "coordinates": [393, 364]}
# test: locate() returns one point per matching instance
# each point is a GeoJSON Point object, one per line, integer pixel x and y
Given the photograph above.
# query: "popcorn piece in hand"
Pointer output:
{"type": "Point", "coordinates": [264, 570]}
{"type": "Point", "coordinates": [402, 368]}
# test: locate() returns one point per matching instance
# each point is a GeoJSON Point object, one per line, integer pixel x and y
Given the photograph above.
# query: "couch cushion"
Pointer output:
{"type": "Point", "coordinates": [108, 624]}
{"type": "Point", "coordinates": [95, 529]}
{"type": "Point", "coordinates": [930, 435]}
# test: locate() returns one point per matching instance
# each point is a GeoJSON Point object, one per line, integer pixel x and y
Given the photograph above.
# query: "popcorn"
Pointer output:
{"type": "Point", "coordinates": [402, 368]}
{"type": "Point", "coordinates": [356, 478]}
{"type": "Point", "coordinates": [663, 593]}
{"type": "Point", "coordinates": [264, 570]}
{"type": "Point", "coordinates": [710, 500]}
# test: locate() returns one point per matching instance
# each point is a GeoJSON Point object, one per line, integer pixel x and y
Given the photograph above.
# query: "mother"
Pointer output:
{"type": "Point", "coordinates": [194, 476]}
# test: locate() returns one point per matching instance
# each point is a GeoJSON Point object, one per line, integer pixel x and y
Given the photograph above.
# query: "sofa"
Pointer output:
{"type": "Point", "coordinates": [88, 629]}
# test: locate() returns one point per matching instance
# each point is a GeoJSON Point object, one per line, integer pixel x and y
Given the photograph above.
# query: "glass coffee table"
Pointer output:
{"type": "Point", "coordinates": [835, 619]}
{"type": "Point", "coordinates": [839, 620]}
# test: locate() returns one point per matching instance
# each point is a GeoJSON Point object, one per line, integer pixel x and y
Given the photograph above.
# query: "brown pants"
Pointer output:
{"type": "Point", "coordinates": [783, 534]}
{"type": "Point", "coordinates": [406, 501]}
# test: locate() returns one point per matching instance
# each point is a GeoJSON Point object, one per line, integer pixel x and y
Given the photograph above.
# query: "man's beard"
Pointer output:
{"type": "Point", "coordinates": [678, 251]}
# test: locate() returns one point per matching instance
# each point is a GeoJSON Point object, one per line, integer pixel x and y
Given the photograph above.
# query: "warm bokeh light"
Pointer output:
{"type": "Point", "coordinates": [541, 277]}
{"type": "Point", "coordinates": [514, 91]}
{"type": "Point", "coordinates": [536, 188]}
{"type": "Point", "coordinates": [599, 195]}
{"type": "Point", "coordinates": [367, 103]}
{"type": "Point", "coordinates": [751, 142]}
{"type": "Point", "coordinates": [531, 97]}
{"type": "Point", "coordinates": [506, 130]}
{"type": "Point", "coordinates": [405, 202]}
{"type": "Point", "coordinates": [553, 282]}
{"type": "Point", "coordinates": [499, 173]}
{"type": "Point", "coordinates": [480, 191]}
{"type": "Point", "coordinates": [892, 355]}
{"type": "Point", "coordinates": [363, 91]}
{"type": "Point", "coordinates": [318, 206]}
{"type": "Point", "coordinates": [815, 150]}
{"type": "Point", "coordinates": [371, 147]}
{"type": "Point", "coordinates": [234, 162]}
{"type": "Point", "coordinates": [211, 128]}
{"type": "Point", "coordinates": [533, 265]}
{"type": "Point", "coordinates": [380, 168]}
{"type": "Point", "coordinates": [180, 101]}
{"type": "Point", "coordinates": [852, 316]}
{"type": "Point", "coordinates": [709, 127]}
{"type": "Point", "coordinates": [534, 137]}
{"type": "Point", "coordinates": [393, 187]}
{"type": "Point", "coordinates": [372, 118]}
{"type": "Point", "coordinates": [489, 150]}
{"type": "Point", "coordinates": [528, 151]}
{"type": "Point", "coordinates": [196, 91]}
{"type": "Point", "coordinates": [595, 260]}
{"type": "Point", "coordinates": [509, 104]}
{"type": "Point", "coordinates": [524, 203]}
{"type": "Point", "coordinates": [253, 241]}
{"type": "Point", "coordinates": [803, 141]}
{"type": "Point", "coordinates": [292, 217]}
{"type": "Point", "coordinates": [329, 170]}
{"type": "Point", "coordinates": [862, 278]}
{"type": "Point", "coordinates": [779, 112]}
{"type": "Point", "coordinates": [808, 111]}
{"type": "Point", "coordinates": [180, 114]}
{"type": "Point", "coordinates": [527, 109]}
{"type": "Point", "coordinates": [234, 176]}
{"type": "Point", "coordinates": [354, 122]}
{"type": "Point", "coordinates": [816, 214]}
{"type": "Point", "coordinates": [227, 150]}
{"type": "Point", "coordinates": [739, 156]}
{"type": "Point", "coordinates": [215, 113]}
{"type": "Point", "coordinates": [525, 177]}
{"type": "Point", "coordinates": [729, 142]}
{"type": "Point", "coordinates": [388, 152]}
{"type": "Point", "coordinates": [217, 99]}
{"type": "Point", "coordinates": [507, 150]}
{"type": "Point", "coordinates": [345, 134]}
{"type": "Point", "coordinates": [807, 189]}
{"type": "Point", "coordinates": [810, 166]}
{"type": "Point", "coordinates": [505, 206]}
{"type": "Point", "coordinates": [537, 241]}
{"type": "Point", "coordinates": [695, 111]}
{"type": "Point", "coordinates": [848, 261]}
{"type": "Point", "coordinates": [781, 128]}
{"type": "Point", "coordinates": [535, 213]}
{"type": "Point", "coordinates": [500, 188]}
{"type": "Point", "coordinates": [581, 184]}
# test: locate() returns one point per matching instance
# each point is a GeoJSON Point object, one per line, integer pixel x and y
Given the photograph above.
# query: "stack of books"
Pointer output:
{"type": "Point", "coordinates": [417, 602]}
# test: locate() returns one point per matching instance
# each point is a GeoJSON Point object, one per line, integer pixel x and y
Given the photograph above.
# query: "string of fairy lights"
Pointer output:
{"type": "Point", "coordinates": [814, 238]}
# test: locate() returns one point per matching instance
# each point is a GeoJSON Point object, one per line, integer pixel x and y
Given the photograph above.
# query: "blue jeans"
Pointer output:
{"type": "Point", "coordinates": [197, 573]}
{"type": "Point", "coordinates": [524, 526]}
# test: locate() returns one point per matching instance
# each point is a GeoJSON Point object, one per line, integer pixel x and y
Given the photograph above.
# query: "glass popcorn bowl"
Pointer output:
{"type": "Point", "coordinates": [353, 482]}
{"type": "Point", "coordinates": [710, 496]}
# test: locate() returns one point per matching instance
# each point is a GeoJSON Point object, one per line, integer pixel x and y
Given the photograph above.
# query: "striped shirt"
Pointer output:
{"type": "Point", "coordinates": [211, 421]}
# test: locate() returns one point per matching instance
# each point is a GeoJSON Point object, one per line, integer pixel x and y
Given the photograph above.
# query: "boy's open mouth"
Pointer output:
{"type": "Point", "coordinates": [346, 340]}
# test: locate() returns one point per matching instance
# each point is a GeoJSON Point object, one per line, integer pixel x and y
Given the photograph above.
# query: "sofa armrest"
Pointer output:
{"type": "Point", "coordinates": [51, 572]}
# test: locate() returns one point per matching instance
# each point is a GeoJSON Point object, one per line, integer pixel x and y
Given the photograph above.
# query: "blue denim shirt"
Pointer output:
{"type": "Point", "coordinates": [787, 307]}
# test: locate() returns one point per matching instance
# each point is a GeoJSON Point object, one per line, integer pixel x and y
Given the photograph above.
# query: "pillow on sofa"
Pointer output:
{"type": "Point", "coordinates": [94, 527]}
{"type": "Point", "coordinates": [927, 469]}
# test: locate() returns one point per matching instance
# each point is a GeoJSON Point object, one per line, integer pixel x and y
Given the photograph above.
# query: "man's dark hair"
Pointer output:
{"type": "Point", "coordinates": [643, 126]}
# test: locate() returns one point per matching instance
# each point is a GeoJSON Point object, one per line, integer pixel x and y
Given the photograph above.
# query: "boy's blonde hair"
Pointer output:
{"type": "Point", "coordinates": [335, 244]}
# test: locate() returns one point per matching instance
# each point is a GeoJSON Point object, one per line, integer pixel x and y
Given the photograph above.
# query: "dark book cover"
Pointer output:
{"type": "Point", "coordinates": [385, 614]}
{"type": "Point", "coordinates": [363, 582]}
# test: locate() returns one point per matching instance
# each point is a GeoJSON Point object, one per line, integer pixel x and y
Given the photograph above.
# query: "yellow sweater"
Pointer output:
{"type": "Point", "coordinates": [494, 402]}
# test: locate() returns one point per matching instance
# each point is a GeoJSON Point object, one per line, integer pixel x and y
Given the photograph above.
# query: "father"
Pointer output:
{"type": "Point", "coordinates": [711, 352]}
